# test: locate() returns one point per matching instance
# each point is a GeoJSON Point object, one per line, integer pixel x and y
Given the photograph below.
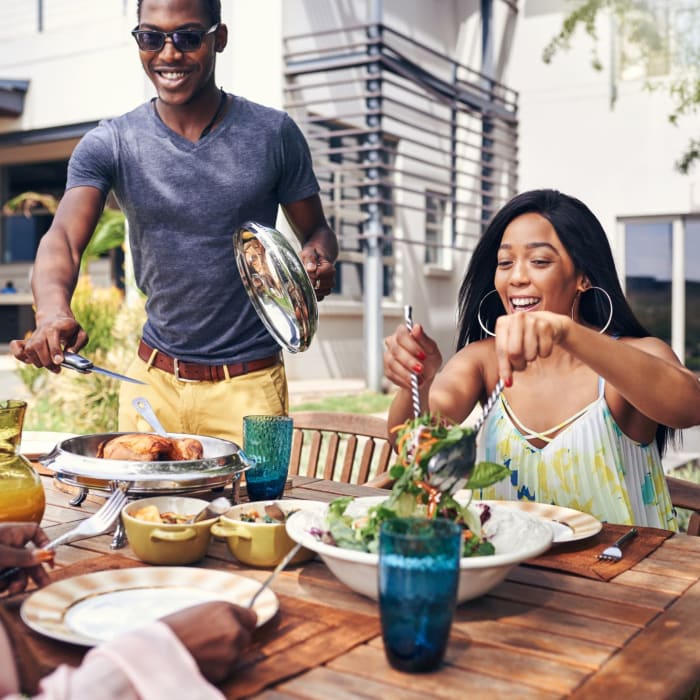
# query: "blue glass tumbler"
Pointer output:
{"type": "Point", "coordinates": [418, 578]}
{"type": "Point", "coordinates": [268, 441]}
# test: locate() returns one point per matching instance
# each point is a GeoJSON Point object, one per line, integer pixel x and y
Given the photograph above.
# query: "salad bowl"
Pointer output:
{"type": "Point", "coordinates": [516, 536]}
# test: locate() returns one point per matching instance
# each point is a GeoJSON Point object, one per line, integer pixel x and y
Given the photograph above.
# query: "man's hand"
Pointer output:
{"type": "Point", "coordinates": [215, 634]}
{"type": "Point", "coordinates": [45, 346]}
{"type": "Point", "coordinates": [320, 269]}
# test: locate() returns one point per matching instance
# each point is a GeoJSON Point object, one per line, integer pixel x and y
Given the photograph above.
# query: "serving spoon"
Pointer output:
{"type": "Point", "coordinates": [145, 410]}
{"type": "Point", "coordinates": [212, 510]}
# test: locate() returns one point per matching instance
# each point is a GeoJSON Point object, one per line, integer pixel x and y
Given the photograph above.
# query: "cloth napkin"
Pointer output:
{"type": "Point", "coordinates": [580, 557]}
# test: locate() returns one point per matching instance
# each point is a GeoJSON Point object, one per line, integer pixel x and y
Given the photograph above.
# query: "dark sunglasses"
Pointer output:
{"type": "Point", "coordinates": [183, 39]}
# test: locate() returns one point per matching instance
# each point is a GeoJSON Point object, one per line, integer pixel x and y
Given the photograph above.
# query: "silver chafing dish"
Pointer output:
{"type": "Point", "coordinates": [74, 462]}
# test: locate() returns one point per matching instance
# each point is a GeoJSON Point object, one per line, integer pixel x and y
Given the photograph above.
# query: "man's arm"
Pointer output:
{"type": "Point", "coordinates": [319, 244]}
{"type": "Point", "coordinates": [54, 277]}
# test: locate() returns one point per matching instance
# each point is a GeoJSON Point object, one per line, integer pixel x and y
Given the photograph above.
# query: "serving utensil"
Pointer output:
{"type": "Point", "coordinates": [450, 469]}
{"type": "Point", "coordinates": [614, 551]}
{"type": "Point", "coordinates": [145, 410]}
{"type": "Point", "coordinates": [273, 575]}
{"type": "Point", "coordinates": [78, 363]}
{"type": "Point", "coordinates": [214, 509]}
{"type": "Point", "coordinates": [96, 524]}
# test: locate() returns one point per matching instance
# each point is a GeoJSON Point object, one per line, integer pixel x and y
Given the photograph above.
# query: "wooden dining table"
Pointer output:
{"type": "Point", "coordinates": [542, 633]}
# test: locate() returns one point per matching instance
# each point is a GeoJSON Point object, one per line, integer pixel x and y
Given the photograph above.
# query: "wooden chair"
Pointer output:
{"type": "Point", "coordinates": [345, 447]}
{"type": "Point", "coordinates": [348, 447]}
{"type": "Point", "coordinates": [686, 494]}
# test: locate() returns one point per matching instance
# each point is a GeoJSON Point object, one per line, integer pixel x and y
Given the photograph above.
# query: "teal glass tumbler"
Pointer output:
{"type": "Point", "coordinates": [268, 441]}
{"type": "Point", "coordinates": [418, 578]}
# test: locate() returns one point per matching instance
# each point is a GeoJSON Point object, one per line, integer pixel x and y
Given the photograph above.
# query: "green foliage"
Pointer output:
{"type": "Point", "coordinates": [365, 402]}
{"type": "Point", "coordinates": [650, 37]}
{"type": "Point", "coordinates": [87, 403]}
{"type": "Point", "coordinates": [690, 472]}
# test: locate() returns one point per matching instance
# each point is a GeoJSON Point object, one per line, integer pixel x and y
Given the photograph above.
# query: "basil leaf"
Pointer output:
{"type": "Point", "coordinates": [485, 474]}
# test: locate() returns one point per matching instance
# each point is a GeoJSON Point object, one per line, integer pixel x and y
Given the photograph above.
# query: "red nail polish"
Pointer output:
{"type": "Point", "coordinates": [509, 382]}
{"type": "Point", "coordinates": [417, 368]}
{"type": "Point", "coordinates": [421, 355]}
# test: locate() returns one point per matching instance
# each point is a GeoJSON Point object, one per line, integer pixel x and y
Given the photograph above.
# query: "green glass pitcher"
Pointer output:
{"type": "Point", "coordinates": [21, 492]}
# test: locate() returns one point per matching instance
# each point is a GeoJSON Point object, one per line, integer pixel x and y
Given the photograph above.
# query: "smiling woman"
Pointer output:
{"type": "Point", "coordinates": [591, 398]}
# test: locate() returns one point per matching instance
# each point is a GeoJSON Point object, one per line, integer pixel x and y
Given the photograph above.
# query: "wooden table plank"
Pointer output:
{"type": "Point", "coordinates": [544, 643]}
{"type": "Point", "coordinates": [628, 613]}
{"type": "Point", "coordinates": [650, 666]}
{"type": "Point", "coordinates": [448, 682]}
{"type": "Point", "coordinates": [329, 684]}
{"type": "Point", "coordinates": [559, 621]}
{"type": "Point", "coordinates": [604, 590]}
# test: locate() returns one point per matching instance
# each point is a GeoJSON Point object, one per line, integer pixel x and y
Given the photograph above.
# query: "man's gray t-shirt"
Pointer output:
{"type": "Point", "coordinates": [183, 202]}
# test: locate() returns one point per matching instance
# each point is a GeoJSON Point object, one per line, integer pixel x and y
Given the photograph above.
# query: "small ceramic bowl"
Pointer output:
{"type": "Point", "coordinates": [172, 545]}
{"type": "Point", "coordinates": [261, 544]}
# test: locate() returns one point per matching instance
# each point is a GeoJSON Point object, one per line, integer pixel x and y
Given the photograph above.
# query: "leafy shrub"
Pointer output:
{"type": "Point", "coordinates": [87, 403]}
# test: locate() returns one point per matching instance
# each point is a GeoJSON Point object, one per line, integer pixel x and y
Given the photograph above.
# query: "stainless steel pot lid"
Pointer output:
{"type": "Point", "coordinates": [76, 457]}
{"type": "Point", "coordinates": [277, 284]}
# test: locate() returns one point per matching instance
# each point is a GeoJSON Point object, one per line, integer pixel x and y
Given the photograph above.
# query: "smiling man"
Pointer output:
{"type": "Point", "coordinates": [188, 168]}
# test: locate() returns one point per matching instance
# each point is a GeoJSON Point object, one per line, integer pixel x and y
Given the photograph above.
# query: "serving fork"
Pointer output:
{"type": "Point", "coordinates": [98, 523]}
{"type": "Point", "coordinates": [614, 551]}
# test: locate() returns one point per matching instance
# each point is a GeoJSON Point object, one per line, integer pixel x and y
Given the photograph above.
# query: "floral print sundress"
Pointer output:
{"type": "Point", "coordinates": [591, 466]}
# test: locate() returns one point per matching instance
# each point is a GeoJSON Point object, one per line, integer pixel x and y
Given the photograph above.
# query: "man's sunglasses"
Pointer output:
{"type": "Point", "coordinates": [183, 39]}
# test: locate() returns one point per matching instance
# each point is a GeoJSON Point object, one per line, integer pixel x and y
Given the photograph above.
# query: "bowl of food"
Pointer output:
{"type": "Point", "coordinates": [514, 535]}
{"type": "Point", "coordinates": [158, 531]}
{"type": "Point", "coordinates": [255, 532]}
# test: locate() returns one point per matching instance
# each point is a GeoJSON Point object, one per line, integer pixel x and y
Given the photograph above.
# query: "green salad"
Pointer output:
{"type": "Point", "coordinates": [412, 494]}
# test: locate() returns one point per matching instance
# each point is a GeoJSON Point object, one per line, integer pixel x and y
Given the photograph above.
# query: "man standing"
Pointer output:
{"type": "Point", "coordinates": [188, 168]}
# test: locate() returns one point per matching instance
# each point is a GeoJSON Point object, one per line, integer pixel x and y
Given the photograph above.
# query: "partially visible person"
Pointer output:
{"type": "Point", "coordinates": [178, 656]}
{"type": "Point", "coordinates": [188, 168]}
{"type": "Point", "coordinates": [9, 288]}
{"type": "Point", "coordinates": [591, 398]}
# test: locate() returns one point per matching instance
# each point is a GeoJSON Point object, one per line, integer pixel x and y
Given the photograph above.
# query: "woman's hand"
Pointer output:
{"type": "Point", "coordinates": [215, 634]}
{"type": "Point", "coordinates": [13, 537]}
{"type": "Point", "coordinates": [411, 353]}
{"type": "Point", "coordinates": [523, 337]}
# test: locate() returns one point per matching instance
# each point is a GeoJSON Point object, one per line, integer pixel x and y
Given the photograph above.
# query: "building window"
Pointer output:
{"type": "Point", "coordinates": [648, 267]}
{"type": "Point", "coordinates": [692, 294]}
{"type": "Point", "coordinates": [435, 224]}
{"type": "Point", "coordinates": [662, 279]}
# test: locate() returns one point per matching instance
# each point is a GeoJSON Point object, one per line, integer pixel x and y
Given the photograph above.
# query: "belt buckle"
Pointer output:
{"type": "Point", "coordinates": [176, 372]}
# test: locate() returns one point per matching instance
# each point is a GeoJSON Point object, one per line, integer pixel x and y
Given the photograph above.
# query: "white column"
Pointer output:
{"type": "Point", "coordinates": [678, 289]}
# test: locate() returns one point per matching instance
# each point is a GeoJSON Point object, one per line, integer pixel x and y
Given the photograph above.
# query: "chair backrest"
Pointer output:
{"type": "Point", "coordinates": [348, 447]}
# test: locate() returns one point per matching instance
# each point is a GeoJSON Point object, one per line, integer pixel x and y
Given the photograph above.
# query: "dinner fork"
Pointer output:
{"type": "Point", "coordinates": [96, 524]}
{"type": "Point", "coordinates": [614, 551]}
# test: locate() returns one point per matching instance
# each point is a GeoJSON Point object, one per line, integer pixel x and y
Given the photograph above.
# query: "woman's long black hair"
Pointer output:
{"type": "Point", "coordinates": [584, 239]}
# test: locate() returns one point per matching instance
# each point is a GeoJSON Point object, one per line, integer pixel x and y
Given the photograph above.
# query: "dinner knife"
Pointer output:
{"type": "Point", "coordinates": [81, 364]}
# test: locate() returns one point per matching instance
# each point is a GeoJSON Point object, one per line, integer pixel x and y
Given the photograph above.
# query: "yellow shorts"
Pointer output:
{"type": "Point", "coordinates": [203, 408]}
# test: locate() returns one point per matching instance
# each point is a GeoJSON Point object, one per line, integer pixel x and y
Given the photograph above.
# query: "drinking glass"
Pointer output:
{"type": "Point", "coordinates": [418, 577]}
{"type": "Point", "coordinates": [268, 441]}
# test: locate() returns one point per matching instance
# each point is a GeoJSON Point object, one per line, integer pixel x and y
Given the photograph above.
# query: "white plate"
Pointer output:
{"type": "Point", "coordinates": [516, 535]}
{"type": "Point", "coordinates": [40, 442]}
{"type": "Point", "coordinates": [568, 525]}
{"type": "Point", "coordinates": [96, 607]}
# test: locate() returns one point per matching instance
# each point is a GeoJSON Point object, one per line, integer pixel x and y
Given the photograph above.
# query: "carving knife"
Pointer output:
{"type": "Point", "coordinates": [81, 364]}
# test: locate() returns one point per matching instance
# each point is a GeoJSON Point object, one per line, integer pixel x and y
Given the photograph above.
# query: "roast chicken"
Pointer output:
{"type": "Point", "coordinates": [145, 447]}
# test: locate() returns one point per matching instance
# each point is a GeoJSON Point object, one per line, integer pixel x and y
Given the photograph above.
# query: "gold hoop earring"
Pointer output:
{"type": "Point", "coordinates": [478, 313]}
{"type": "Point", "coordinates": [610, 316]}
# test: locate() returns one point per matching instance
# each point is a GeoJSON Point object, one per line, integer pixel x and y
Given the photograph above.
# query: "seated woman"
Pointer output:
{"type": "Point", "coordinates": [591, 399]}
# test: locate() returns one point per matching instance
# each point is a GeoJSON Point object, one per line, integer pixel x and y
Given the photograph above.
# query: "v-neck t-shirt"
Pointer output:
{"type": "Point", "coordinates": [183, 202]}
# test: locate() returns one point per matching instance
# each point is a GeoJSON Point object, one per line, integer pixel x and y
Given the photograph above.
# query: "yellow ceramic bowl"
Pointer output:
{"type": "Point", "coordinates": [168, 544]}
{"type": "Point", "coordinates": [260, 544]}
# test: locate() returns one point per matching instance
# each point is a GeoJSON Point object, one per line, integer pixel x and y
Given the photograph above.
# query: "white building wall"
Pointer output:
{"type": "Point", "coordinates": [620, 160]}
{"type": "Point", "coordinates": [84, 66]}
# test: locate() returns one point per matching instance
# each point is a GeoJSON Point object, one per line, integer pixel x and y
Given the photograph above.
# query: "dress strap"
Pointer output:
{"type": "Point", "coordinates": [529, 434]}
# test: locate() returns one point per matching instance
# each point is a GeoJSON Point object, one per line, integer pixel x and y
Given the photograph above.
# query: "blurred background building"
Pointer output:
{"type": "Point", "coordinates": [422, 117]}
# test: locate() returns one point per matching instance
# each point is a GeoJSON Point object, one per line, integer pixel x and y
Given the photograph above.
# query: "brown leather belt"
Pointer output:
{"type": "Point", "coordinates": [195, 372]}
